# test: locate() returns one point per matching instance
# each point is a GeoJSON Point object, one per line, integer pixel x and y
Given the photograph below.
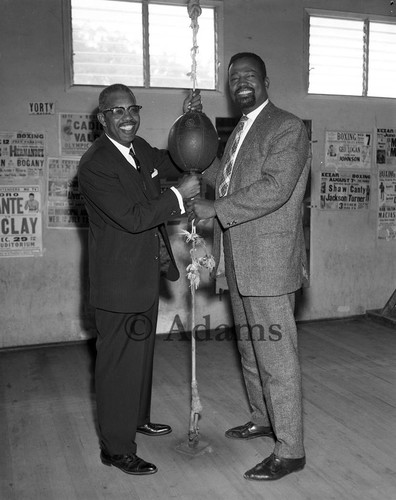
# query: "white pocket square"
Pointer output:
{"type": "Point", "coordinates": [154, 173]}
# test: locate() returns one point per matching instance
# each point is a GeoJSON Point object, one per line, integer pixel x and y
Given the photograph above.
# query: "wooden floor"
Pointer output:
{"type": "Point", "coordinates": [49, 447]}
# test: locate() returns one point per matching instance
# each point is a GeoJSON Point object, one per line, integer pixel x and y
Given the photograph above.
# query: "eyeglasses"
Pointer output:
{"type": "Point", "coordinates": [120, 111]}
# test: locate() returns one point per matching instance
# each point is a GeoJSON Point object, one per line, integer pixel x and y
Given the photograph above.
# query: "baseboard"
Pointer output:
{"type": "Point", "coordinates": [375, 314]}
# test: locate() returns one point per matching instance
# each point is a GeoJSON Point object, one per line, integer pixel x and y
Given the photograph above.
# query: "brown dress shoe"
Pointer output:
{"type": "Point", "coordinates": [274, 467]}
{"type": "Point", "coordinates": [249, 431]}
{"type": "Point", "coordinates": [151, 429]}
{"type": "Point", "coordinates": [130, 464]}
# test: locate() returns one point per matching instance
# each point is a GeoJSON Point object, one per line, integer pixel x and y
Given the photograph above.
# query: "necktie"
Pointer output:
{"type": "Point", "coordinates": [229, 162]}
{"type": "Point", "coordinates": [135, 158]}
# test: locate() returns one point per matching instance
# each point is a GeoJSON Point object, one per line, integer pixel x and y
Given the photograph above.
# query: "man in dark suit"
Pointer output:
{"type": "Point", "coordinates": [119, 180]}
{"type": "Point", "coordinates": [260, 185]}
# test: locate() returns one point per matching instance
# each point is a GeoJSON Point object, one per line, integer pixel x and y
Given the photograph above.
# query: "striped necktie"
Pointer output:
{"type": "Point", "coordinates": [135, 159]}
{"type": "Point", "coordinates": [229, 162]}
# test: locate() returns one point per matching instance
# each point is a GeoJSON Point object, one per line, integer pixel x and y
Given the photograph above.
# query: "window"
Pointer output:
{"type": "Point", "coordinates": [352, 56]}
{"type": "Point", "coordinates": [142, 43]}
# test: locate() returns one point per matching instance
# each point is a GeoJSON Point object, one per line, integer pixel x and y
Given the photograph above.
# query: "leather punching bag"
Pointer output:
{"type": "Point", "coordinates": [193, 141]}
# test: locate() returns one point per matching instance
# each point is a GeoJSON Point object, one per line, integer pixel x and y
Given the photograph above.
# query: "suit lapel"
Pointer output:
{"type": "Point", "coordinates": [141, 179]}
{"type": "Point", "coordinates": [120, 158]}
{"type": "Point", "coordinates": [259, 126]}
{"type": "Point", "coordinates": [151, 191]}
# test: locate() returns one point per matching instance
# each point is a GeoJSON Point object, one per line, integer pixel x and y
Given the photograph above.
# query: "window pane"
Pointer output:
{"type": "Point", "coordinates": [171, 41]}
{"type": "Point", "coordinates": [382, 60]}
{"type": "Point", "coordinates": [336, 56]}
{"type": "Point", "coordinates": [107, 42]}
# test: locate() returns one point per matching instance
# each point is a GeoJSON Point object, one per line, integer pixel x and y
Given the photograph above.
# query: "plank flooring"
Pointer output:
{"type": "Point", "coordinates": [49, 447]}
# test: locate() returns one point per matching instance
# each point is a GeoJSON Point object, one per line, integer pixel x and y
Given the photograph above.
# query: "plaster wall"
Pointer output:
{"type": "Point", "coordinates": [45, 299]}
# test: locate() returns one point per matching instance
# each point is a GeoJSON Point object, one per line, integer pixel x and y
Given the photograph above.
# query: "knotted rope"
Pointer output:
{"type": "Point", "coordinates": [193, 274]}
{"type": "Point", "coordinates": [194, 11]}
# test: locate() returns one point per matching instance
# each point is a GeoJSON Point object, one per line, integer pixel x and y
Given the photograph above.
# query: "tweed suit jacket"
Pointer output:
{"type": "Point", "coordinates": [263, 208]}
{"type": "Point", "coordinates": [126, 212]}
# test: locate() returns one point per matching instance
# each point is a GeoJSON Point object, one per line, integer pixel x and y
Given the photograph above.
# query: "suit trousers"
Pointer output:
{"type": "Point", "coordinates": [123, 376]}
{"type": "Point", "coordinates": [267, 341]}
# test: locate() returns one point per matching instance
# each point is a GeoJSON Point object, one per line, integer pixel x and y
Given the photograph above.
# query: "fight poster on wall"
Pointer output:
{"type": "Point", "coordinates": [387, 203]}
{"type": "Point", "coordinates": [65, 204]}
{"type": "Point", "coordinates": [20, 221]}
{"type": "Point", "coordinates": [348, 149]}
{"type": "Point", "coordinates": [386, 146]}
{"type": "Point", "coordinates": [344, 191]}
{"type": "Point", "coordinates": [22, 154]}
{"type": "Point", "coordinates": [77, 132]}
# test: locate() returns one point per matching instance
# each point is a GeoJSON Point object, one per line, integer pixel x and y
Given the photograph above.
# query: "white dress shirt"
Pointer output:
{"type": "Point", "coordinates": [249, 122]}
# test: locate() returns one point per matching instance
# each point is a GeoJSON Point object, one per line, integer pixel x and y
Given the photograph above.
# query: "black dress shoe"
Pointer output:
{"type": "Point", "coordinates": [130, 464]}
{"type": "Point", "coordinates": [249, 431]}
{"type": "Point", "coordinates": [151, 429]}
{"type": "Point", "coordinates": [274, 467]}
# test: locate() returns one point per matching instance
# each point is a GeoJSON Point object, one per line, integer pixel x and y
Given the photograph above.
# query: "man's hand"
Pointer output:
{"type": "Point", "coordinates": [192, 102]}
{"type": "Point", "coordinates": [200, 209]}
{"type": "Point", "coordinates": [189, 186]}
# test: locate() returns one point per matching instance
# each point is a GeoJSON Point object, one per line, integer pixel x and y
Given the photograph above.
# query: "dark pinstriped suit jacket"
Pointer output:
{"type": "Point", "coordinates": [126, 211]}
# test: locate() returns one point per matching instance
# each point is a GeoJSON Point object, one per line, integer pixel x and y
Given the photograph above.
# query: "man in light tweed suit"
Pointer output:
{"type": "Point", "coordinates": [260, 185]}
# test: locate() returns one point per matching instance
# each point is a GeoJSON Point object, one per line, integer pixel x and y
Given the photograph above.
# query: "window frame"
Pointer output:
{"type": "Point", "coordinates": [219, 42]}
{"type": "Point", "coordinates": [354, 16]}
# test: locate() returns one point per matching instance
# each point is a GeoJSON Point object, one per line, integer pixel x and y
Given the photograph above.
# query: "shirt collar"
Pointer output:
{"type": "Point", "coordinates": [123, 149]}
{"type": "Point", "coordinates": [253, 114]}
